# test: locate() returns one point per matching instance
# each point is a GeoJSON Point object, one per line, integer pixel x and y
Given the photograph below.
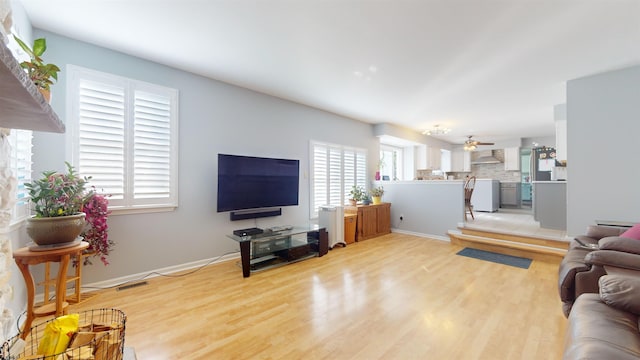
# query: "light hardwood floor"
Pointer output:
{"type": "Point", "coordinates": [392, 297]}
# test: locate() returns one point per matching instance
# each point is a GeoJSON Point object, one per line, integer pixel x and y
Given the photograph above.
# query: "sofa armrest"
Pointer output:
{"type": "Point", "coordinates": [613, 258]}
{"type": "Point", "coordinates": [618, 243]}
{"type": "Point", "coordinates": [598, 232]}
{"type": "Point", "coordinates": [621, 292]}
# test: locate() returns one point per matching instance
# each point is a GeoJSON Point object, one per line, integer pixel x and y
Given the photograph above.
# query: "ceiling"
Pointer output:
{"type": "Point", "coordinates": [489, 68]}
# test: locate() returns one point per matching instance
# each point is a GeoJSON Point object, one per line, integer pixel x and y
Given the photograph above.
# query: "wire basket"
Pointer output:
{"type": "Point", "coordinates": [107, 342]}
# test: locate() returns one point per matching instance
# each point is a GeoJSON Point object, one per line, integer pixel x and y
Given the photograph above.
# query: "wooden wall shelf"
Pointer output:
{"type": "Point", "coordinates": [23, 107]}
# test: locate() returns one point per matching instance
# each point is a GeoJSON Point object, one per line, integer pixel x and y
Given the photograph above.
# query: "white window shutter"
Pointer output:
{"type": "Point", "coordinates": [21, 146]}
{"type": "Point", "coordinates": [152, 146]}
{"type": "Point", "coordinates": [125, 136]}
{"type": "Point", "coordinates": [335, 169]}
{"type": "Point", "coordinates": [101, 141]}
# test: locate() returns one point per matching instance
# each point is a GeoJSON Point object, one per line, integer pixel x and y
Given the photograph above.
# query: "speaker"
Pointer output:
{"type": "Point", "coordinates": [254, 214]}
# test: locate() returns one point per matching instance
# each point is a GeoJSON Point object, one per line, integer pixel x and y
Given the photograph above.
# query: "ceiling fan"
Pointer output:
{"type": "Point", "coordinates": [471, 144]}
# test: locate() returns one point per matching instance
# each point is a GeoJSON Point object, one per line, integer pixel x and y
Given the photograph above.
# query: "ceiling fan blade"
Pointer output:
{"type": "Point", "coordinates": [483, 143]}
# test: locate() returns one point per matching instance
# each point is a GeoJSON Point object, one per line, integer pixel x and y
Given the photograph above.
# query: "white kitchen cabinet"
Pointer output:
{"type": "Point", "coordinates": [512, 159]}
{"type": "Point", "coordinates": [434, 158]}
{"type": "Point", "coordinates": [460, 161]}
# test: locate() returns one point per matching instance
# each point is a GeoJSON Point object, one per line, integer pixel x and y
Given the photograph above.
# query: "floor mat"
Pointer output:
{"type": "Point", "coordinates": [516, 261]}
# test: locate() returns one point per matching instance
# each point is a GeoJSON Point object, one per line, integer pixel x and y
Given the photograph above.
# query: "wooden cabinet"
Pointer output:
{"type": "Point", "coordinates": [512, 159]}
{"type": "Point", "coordinates": [372, 220]}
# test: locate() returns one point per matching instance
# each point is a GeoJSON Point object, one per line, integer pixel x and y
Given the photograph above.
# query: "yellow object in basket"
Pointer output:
{"type": "Point", "coordinates": [57, 334]}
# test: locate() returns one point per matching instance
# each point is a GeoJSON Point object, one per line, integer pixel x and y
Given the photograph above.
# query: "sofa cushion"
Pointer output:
{"type": "Point", "coordinates": [633, 232]}
{"type": "Point", "coordinates": [597, 232]}
{"type": "Point", "coordinates": [622, 292]}
{"type": "Point", "coordinates": [620, 243]}
{"type": "Point", "coordinates": [599, 331]}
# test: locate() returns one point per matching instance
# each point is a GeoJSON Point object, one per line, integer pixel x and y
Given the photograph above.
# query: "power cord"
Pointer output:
{"type": "Point", "coordinates": [193, 271]}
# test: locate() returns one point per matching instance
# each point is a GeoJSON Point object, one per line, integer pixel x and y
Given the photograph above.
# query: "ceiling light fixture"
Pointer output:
{"type": "Point", "coordinates": [437, 130]}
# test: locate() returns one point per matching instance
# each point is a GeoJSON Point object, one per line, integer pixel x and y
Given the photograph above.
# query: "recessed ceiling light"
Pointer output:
{"type": "Point", "coordinates": [357, 73]}
{"type": "Point", "coordinates": [373, 69]}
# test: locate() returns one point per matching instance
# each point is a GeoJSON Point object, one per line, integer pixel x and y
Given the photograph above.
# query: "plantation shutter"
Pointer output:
{"type": "Point", "coordinates": [126, 133]}
{"type": "Point", "coordinates": [335, 169]}
{"type": "Point", "coordinates": [152, 145]}
{"type": "Point", "coordinates": [320, 186]}
{"type": "Point", "coordinates": [335, 176]}
{"type": "Point", "coordinates": [101, 137]}
{"type": "Point", "coordinates": [20, 156]}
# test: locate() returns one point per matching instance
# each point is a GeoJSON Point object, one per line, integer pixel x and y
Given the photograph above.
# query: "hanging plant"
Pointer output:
{"type": "Point", "coordinates": [96, 234]}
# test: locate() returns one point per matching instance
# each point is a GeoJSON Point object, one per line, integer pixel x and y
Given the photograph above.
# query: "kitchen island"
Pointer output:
{"type": "Point", "coordinates": [427, 207]}
{"type": "Point", "coordinates": [550, 204]}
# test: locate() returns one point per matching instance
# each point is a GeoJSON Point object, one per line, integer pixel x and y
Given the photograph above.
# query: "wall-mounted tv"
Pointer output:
{"type": "Point", "coordinates": [247, 182]}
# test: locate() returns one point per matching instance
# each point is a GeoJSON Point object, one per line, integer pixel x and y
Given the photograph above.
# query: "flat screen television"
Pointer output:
{"type": "Point", "coordinates": [247, 182]}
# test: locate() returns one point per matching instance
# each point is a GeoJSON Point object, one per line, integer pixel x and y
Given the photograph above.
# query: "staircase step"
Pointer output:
{"type": "Point", "coordinates": [520, 238]}
{"type": "Point", "coordinates": [508, 247]}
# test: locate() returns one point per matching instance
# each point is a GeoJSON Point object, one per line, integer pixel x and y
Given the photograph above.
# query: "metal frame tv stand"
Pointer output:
{"type": "Point", "coordinates": [271, 249]}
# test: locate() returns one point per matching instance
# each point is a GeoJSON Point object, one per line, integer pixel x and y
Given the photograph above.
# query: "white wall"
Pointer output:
{"type": "Point", "coordinates": [214, 117]}
{"type": "Point", "coordinates": [603, 123]}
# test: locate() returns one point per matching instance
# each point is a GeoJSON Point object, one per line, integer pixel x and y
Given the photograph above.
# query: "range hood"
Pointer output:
{"type": "Point", "coordinates": [485, 157]}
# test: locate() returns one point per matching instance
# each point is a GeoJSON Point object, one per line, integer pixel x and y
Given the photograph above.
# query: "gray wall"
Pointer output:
{"type": "Point", "coordinates": [214, 117]}
{"type": "Point", "coordinates": [603, 123]}
{"type": "Point", "coordinates": [428, 208]}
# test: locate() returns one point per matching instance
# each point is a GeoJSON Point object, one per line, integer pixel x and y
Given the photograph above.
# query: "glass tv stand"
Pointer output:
{"type": "Point", "coordinates": [277, 248]}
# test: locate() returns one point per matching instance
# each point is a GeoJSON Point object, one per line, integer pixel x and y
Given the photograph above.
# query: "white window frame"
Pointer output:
{"type": "Point", "coordinates": [341, 179]}
{"type": "Point", "coordinates": [397, 165]}
{"type": "Point", "coordinates": [129, 203]}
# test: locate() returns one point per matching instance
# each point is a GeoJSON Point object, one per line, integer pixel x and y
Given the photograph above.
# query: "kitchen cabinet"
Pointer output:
{"type": "Point", "coordinates": [434, 158]}
{"type": "Point", "coordinates": [372, 220]}
{"type": "Point", "coordinates": [460, 161]}
{"type": "Point", "coordinates": [512, 159]}
{"type": "Point", "coordinates": [510, 194]}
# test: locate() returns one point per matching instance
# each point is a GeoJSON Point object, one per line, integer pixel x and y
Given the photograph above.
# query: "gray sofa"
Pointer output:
{"type": "Point", "coordinates": [581, 267]}
{"type": "Point", "coordinates": [604, 325]}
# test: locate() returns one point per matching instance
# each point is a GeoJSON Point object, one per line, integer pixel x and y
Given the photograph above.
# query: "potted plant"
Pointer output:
{"type": "Point", "coordinates": [376, 194]}
{"type": "Point", "coordinates": [58, 200]}
{"type": "Point", "coordinates": [40, 73]}
{"type": "Point", "coordinates": [357, 193]}
{"type": "Point", "coordinates": [62, 206]}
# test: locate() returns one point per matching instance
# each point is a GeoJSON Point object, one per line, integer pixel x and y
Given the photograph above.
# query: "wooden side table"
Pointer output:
{"type": "Point", "coordinates": [25, 257]}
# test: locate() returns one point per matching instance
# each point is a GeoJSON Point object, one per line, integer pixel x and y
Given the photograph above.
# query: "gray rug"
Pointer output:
{"type": "Point", "coordinates": [516, 261]}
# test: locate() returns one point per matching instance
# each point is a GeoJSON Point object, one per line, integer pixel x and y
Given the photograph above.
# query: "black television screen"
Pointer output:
{"type": "Point", "coordinates": [247, 182]}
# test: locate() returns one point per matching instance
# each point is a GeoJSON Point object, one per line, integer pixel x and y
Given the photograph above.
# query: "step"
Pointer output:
{"type": "Point", "coordinates": [515, 237]}
{"type": "Point", "coordinates": [508, 247]}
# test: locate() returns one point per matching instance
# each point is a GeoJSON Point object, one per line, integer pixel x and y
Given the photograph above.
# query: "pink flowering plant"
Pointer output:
{"type": "Point", "coordinates": [96, 210]}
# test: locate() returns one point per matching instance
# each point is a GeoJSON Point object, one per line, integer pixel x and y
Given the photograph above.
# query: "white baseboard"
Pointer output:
{"type": "Point", "coordinates": [430, 236]}
{"type": "Point", "coordinates": [149, 274]}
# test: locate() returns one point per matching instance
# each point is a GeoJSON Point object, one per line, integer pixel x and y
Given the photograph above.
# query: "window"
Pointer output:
{"type": "Point", "coordinates": [125, 136]}
{"type": "Point", "coordinates": [390, 162]}
{"type": "Point", "coordinates": [20, 163]}
{"type": "Point", "coordinates": [334, 170]}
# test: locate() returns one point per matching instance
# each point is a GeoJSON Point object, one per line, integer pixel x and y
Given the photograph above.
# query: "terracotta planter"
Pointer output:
{"type": "Point", "coordinates": [46, 94]}
{"type": "Point", "coordinates": [376, 200]}
{"type": "Point", "coordinates": [55, 230]}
